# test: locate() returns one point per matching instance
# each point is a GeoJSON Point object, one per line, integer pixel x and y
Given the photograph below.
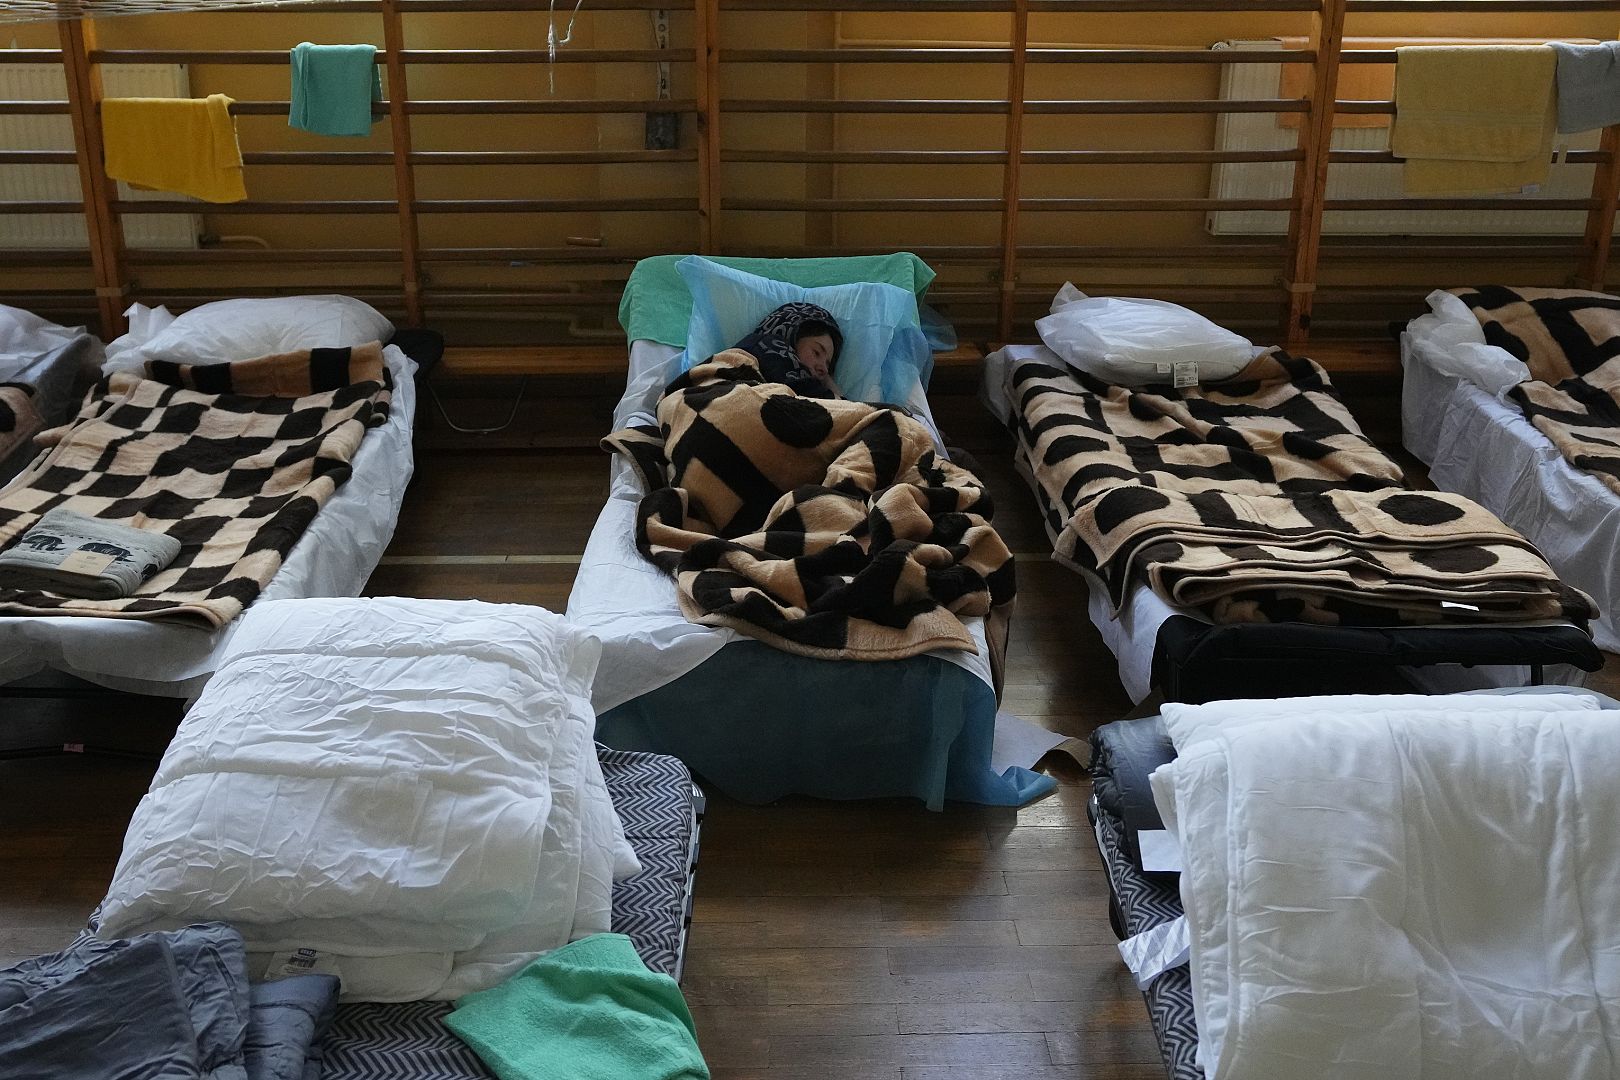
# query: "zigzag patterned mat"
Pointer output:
{"type": "Point", "coordinates": [653, 795]}
{"type": "Point", "coordinates": [1145, 903]}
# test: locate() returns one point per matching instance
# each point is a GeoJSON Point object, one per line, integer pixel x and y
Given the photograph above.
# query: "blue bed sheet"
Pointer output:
{"type": "Point", "coordinates": [759, 724]}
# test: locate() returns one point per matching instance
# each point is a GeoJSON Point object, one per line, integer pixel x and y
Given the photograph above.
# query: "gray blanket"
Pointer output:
{"type": "Point", "coordinates": [163, 1006]}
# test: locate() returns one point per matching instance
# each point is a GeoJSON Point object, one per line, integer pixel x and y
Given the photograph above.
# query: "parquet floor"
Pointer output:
{"type": "Point", "coordinates": [863, 940]}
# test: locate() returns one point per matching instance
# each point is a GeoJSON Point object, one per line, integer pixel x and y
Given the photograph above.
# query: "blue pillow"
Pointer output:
{"type": "Point", "coordinates": [885, 355]}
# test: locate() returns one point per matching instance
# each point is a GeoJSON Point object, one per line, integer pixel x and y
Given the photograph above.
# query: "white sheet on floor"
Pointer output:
{"type": "Point", "coordinates": [408, 786]}
{"type": "Point", "coordinates": [1407, 888]}
{"type": "Point", "coordinates": [334, 557]}
{"type": "Point", "coordinates": [1480, 446]}
{"type": "Point", "coordinates": [1134, 632]}
{"type": "Point", "coordinates": [631, 605]}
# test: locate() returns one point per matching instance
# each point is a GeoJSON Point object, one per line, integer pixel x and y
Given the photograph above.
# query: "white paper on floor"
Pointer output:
{"type": "Point", "coordinates": [1021, 743]}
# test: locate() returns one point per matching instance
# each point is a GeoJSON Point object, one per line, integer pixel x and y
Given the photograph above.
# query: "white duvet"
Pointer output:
{"type": "Point", "coordinates": [1402, 887]}
{"type": "Point", "coordinates": [408, 787]}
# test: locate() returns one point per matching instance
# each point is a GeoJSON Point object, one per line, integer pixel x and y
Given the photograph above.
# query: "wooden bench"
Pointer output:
{"type": "Point", "coordinates": [519, 360]}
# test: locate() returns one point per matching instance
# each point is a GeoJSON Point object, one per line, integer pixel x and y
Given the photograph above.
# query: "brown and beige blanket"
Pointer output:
{"type": "Point", "coordinates": [1570, 340]}
{"type": "Point", "coordinates": [826, 528]}
{"type": "Point", "coordinates": [1260, 500]}
{"type": "Point", "coordinates": [232, 460]}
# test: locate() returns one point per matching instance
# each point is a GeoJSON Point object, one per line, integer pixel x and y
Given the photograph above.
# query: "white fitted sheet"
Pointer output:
{"type": "Point", "coordinates": [1480, 446]}
{"type": "Point", "coordinates": [1134, 632]}
{"type": "Point", "coordinates": [630, 604]}
{"type": "Point", "coordinates": [334, 557]}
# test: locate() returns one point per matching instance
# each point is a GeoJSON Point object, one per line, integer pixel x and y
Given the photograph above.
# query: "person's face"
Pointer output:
{"type": "Point", "coordinates": [815, 352]}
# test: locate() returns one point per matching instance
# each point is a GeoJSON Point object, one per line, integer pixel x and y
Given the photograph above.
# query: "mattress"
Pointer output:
{"type": "Point", "coordinates": [661, 810]}
{"type": "Point", "coordinates": [1181, 653]}
{"type": "Point", "coordinates": [759, 723]}
{"type": "Point", "coordinates": [1480, 446]}
{"type": "Point", "coordinates": [334, 557]}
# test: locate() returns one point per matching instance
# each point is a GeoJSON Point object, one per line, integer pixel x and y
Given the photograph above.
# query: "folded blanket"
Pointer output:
{"type": "Point", "coordinates": [589, 1011]}
{"type": "Point", "coordinates": [1404, 888]}
{"type": "Point", "coordinates": [73, 555]}
{"type": "Point", "coordinates": [1260, 500]}
{"type": "Point", "coordinates": [1474, 119]}
{"type": "Point", "coordinates": [1588, 85]}
{"type": "Point", "coordinates": [825, 528]}
{"type": "Point", "coordinates": [19, 419]}
{"type": "Point", "coordinates": [1570, 340]}
{"type": "Point", "coordinates": [234, 477]}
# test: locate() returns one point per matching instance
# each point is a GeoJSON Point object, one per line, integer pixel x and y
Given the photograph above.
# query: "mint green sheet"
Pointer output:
{"type": "Point", "coordinates": [656, 305]}
{"type": "Point", "coordinates": [590, 1010]}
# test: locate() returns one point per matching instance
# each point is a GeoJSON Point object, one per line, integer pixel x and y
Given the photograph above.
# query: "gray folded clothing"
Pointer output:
{"type": "Point", "coordinates": [90, 558]}
{"type": "Point", "coordinates": [1588, 85]}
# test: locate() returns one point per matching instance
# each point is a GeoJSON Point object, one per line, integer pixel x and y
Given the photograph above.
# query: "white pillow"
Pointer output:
{"type": "Point", "coordinates": [245, 329]}
{"type": "Point", "coordinates": [1131, 342]}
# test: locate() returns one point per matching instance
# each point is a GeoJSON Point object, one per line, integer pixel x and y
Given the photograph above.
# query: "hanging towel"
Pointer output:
{"type": "Point", "coordinates": [333, 87]}
{"type": "Point", "coordinates": [587, 1011]}
{"type": "Point", "coordinates": [1474, 120]}
{"type": "Point", "coordinates": [184, 145]}
{"type": "Point", "coordinates": [1588, 85]}
{"type": "Point", "coordinates": [70, 554]}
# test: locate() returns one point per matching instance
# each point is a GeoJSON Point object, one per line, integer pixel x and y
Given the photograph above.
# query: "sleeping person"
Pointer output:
{"type": "Point", "coordinates": [797, 345]}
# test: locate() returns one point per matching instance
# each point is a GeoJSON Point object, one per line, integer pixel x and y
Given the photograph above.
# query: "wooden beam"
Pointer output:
{"type": "Point", "coordinates": [1600, 219]}
{"type": "Point", "coordinates": [101, 222]}
{"type": "Point", "coordinates": [706, 63]}
{"type": "Point", "coordinates": [399, 122]}
{"type": "Point", "coordinates": [1011, 171]}
{"type": "Point", "coordinates": [1311, 173]}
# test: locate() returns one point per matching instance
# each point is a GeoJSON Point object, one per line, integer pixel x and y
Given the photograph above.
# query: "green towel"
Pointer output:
{"type": "Point", "coordinates": [587, 1011]}
{"type": "Point", "coordinates": [333, 87]}
{"type": "Point", "coordinates": [657, 307]}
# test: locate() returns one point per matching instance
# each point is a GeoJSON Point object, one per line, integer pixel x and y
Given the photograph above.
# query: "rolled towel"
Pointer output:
{"type": "Point", "coordinates": [70, 554]}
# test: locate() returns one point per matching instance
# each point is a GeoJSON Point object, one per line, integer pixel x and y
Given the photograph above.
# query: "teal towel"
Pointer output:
{"type": "Point", "coordinates": [587, 1011]}
{"type": "Point", "coordinates": [333, 87]}
{"type": "Point", "coordinates": [658, 307]}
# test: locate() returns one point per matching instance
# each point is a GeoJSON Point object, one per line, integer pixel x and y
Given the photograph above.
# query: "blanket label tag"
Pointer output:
{"type": "Point", "coordinates": [86, 562]}
{"type": "Point", "coordinates": [1163, 368]}
{"type": "Point", "coordinates": [1186, 374]}
{"type": "Point", "coordinates": [291, 962]}
{"type": "Point", "coordinates": [1160, 852]}
{"type": "Point", "coordinates": [1460, 607]}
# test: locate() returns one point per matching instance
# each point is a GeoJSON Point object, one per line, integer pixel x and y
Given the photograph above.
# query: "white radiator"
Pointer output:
{"type": "Point", "coordinates": [53, 183]}
{"type": "Point", "coordinates": [1274, 180]}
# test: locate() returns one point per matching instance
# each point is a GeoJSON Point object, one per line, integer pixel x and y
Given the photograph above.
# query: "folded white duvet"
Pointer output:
{"type": "Point", "coordinates": [409, 788]}
{"type": "Point", "coordinates": [1380, 889]}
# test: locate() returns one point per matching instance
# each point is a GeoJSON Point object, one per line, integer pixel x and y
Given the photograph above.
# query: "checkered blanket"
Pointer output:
{"type": "Point", "coordinates": [825, 528]}
{"type": "Point", "coordinates": [1260, 500]}
{"type": "Point", "coordinates": [19, 419]}
{"type": "Point", "coordinates": [1570, 339]}
{"type": "Point", "coordinates": [234, 474]}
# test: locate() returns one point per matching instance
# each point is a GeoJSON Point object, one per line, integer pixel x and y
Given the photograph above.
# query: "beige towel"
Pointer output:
{"type": "Point", "coordinates": [1474, 120]}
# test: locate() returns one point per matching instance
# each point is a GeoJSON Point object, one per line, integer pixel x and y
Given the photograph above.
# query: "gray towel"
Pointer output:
{"type": "Point", "coordinates": [1588, 86]}
{"type": "Point", "coordinates": [70, 554]}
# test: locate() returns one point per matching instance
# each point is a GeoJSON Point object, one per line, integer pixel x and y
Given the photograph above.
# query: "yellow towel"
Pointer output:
{"type": "Point", "coordinates": [1474, 120]}
{"type": "Point", "coordinates": [184, 145]}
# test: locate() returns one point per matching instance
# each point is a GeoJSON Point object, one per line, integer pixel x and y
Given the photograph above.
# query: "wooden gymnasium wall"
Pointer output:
{"type": "Point", "coordinates": [1012, 143]}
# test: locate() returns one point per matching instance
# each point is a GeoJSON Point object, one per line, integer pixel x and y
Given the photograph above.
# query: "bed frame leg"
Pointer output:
{"type": "Point", "coordinates": [1537, 675]}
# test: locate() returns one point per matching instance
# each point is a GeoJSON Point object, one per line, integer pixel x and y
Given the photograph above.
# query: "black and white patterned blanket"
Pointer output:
{"type": "Point", "coordinates": [234, 471]}
{"type": "Point", "coordinates": [1570, 339]}
{"type": "Point", "coordinates": [826, 528]}
{"type": "Point", "coordinates": [1260, 500]}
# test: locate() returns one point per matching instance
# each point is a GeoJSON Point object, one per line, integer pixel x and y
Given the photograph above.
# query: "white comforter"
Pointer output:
{"type": "Point", "coordinates": [408, 787]}
{"type": "Point", "coordinates": [1385, 888]}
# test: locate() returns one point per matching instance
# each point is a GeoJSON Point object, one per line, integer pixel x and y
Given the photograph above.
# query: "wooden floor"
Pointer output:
{"type": "Point", "coordinates": [870, 940]}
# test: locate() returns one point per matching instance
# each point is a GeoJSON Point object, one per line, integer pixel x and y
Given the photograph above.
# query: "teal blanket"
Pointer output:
{"type": "Point", "coordinates": [587, 1011]}
{"type": "Point", "coordinates": [657, 306]}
